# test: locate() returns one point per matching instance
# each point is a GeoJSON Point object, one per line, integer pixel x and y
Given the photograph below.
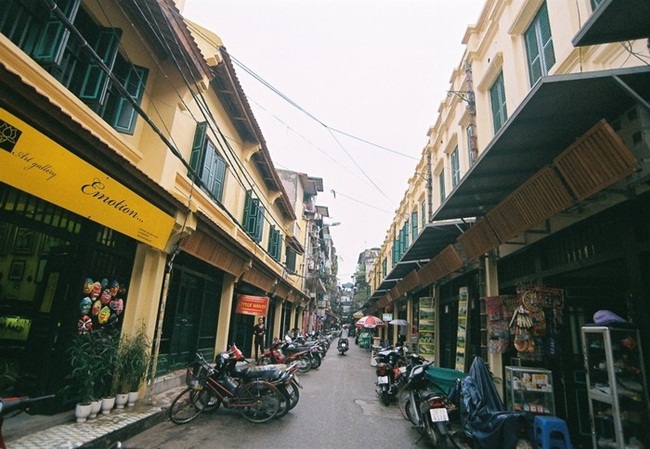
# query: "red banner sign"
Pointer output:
{"type": "Point", "coordinates": [252, 305]}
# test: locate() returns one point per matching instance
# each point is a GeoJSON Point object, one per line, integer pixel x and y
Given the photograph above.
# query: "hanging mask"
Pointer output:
{"type": "Point", "coordinates": [117, 305]}
{"type": "Point", "coordinates": [85, 324]}
{"type": "Point", "coordinates": [97, 306]}
{"type": "Point", "coordinates": [104, 315]}
{"type": "Point", "coordinates": [97, 290]}
{"type": "Point", "coordinates": [105, 297]}
{"type": "Point", "coordinates": [84, 305]}
{"type": "Point", "coordinates": [88, 286]}
{"type": "Point", "coordinates": [104, 283]}
{"type": "Point", "coordinates": [115, 287]}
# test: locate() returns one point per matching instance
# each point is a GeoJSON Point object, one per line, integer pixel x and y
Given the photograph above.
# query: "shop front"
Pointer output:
{"type": "Point", "coordinates": [69, 240]}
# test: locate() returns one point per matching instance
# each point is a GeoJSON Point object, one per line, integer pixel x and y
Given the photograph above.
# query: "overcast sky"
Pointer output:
{"type": "Point", "coordinates": [361, 80]}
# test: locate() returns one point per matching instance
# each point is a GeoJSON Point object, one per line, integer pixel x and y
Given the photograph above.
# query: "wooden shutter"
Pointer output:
{"type": "Point", "coordinates": [53, 39]}
{"type": "Point", "coordinates": [198, 147]}
{"type": "Point", "coordinates": [95, 80]}
{"type": "Point", "coordinates": [125, 113]}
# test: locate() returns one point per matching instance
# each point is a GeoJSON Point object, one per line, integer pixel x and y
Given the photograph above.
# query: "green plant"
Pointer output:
{"type": "Point", "coordinates": [134, 358]}
{"type": "Point", "coordinates": [93, 359]}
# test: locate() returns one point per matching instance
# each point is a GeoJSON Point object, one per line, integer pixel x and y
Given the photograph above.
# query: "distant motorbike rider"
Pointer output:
{"type": "Point", "coordinates": [345, 332]}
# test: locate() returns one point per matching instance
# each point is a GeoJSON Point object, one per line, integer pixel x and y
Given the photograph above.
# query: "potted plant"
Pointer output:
{"type": "Point", "coordinates": [134, 363]}
{"type": "Point", "coordinates": [106, 353]}
{"type": "Point", "coordinates": [84, 374]}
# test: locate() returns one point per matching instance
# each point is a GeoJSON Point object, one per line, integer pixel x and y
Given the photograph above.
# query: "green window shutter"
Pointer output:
{"type": "Point", "coordinates": [414, 228]}
{"type": "Point", "coordinates": [259, 228]}
{"type": "Point", "coordinates": [125, 113]}
{"type": "Point", "coordinates": [441, 183]}
{"type": "Point", "coordinates": [546, 40]}
{"type": "Point", "coordinates": [95, 81]}
{"type": "Point", "coordinates": [54, 36]}
{"type": "Point", "coordinates": [532, 50]}
{"type": "Point", "coordinates": [498, 103]}
{"type": "Point", "coordinates": [198, 147]}
{"type": "Point", "coordinates": [219, 178]}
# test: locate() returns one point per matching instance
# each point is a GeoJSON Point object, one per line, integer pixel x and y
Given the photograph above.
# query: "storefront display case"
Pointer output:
{"type": "Point", "coordinates": [530, 390]}
{"type": "Point", "coordinates": [427, 331]}
{"type": "Point", "coordinates": [617, 387]}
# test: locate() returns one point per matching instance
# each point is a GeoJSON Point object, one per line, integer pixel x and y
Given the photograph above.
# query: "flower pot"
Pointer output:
{"type": "Point", "coordinates": [95, 407]}
{"type": "Point", "coordinates": [133, 396]}
{"type": "Point", "coordinates": [107, 405]}
{"type": "Point", "coordinates": [82, 412]}
{"type": "Point", "coordinates": [121, 399]}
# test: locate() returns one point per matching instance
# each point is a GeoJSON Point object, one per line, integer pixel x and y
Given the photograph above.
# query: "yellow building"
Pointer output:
{"type": "Point", "coordinates": [533, 185]}
{"type": "Point", "coordinates": [136, 191]}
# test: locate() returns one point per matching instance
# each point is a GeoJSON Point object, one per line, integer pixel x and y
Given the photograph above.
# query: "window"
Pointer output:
{"type": "Point", "coordinates": [414, 228]}
{"type": "Point", "coordinates": [253, 217]}
{"type": "Point", "coordinates": [275, 240]}
{"type": "Point", "coordinates": [40, 34]}
{"type": "Point", "coordinates": [539, 46]}
{"type": "Point", "coordinates": [384, 267]}
{"type": "Point", "coordinates": [498, 102]}
{"type": "Point", "coordinates": [455, 168]}
{"type": "Point", "coordinates": [441, 184]}
{"type": "Point", "coordinates": [120, 112]}
{"type": "Point", "coordinates": [291, 259]}
{"type": "Point", "coordinates": [207, 164]}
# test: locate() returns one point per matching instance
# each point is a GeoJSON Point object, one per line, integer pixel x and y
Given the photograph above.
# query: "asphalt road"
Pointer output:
{"type": "Point", "coordinates": [338, 408]}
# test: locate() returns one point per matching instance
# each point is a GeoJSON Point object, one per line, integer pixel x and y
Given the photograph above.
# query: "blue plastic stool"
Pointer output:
{"type": "Point", "coordinates": [551, 432]}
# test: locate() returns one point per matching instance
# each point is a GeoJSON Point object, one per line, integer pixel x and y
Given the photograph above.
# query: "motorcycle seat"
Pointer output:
{"type": "Point", "coordinates": [262, 372]}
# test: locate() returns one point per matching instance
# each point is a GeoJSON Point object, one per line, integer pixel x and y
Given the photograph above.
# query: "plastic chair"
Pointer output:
{"type": "Point", "coordinates": [551, 432]}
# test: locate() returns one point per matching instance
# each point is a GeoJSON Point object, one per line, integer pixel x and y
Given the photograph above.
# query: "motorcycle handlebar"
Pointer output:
{"type": "Point", "coordinates": [8, 405]}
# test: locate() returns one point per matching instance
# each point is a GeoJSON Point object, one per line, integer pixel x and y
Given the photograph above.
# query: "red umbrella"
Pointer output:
{"type": "Point", "coordinates": [369, 321]}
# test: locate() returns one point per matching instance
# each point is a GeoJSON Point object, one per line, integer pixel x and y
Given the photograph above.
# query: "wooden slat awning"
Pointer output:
{"type": "Point", "coordinates": [478, 240]}
{"type": "Point", "coordinates": [410, 282]}
{"type": "Point", "coordinates": [539, 198]}
{"type": "Point", "coordinates": [211, 251]}
{"type": "Point", "coordinates": [258, 279]}
{"type": "Point", "coordinates": [595, 161]}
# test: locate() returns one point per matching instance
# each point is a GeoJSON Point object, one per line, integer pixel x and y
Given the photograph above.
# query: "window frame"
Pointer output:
{"type": "Point", "coordinates": [441, 186]}
{"type": "Point", "coordinates": [207, 164]}
{"type": "Point", "coordinates": [454, 159]}
{"type": "Point", "coordinates": [498, 103]}
{"type": "Point", "coordinates": [540, 53]}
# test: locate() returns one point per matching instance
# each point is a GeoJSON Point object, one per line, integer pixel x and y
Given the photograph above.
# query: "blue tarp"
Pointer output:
{"type": "Point", "coordinates": [485, 417]}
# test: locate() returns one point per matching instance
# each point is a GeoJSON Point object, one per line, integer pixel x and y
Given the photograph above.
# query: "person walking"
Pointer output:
{"type": "Point", "coordinates": [259, 331]}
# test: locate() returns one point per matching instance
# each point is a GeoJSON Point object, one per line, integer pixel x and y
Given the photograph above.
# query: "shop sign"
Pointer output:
{"type": "Point", "coordinates": [387, 317]}
{"type": "Point", "coordinates": [34, 163]}
{"type": "Point", "coordinates": [252, 305]}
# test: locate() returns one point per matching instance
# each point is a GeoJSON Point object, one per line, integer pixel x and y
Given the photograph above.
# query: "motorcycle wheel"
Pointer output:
{"type": "Point", "coordinates": [403, 402]}
{"type": "Point", "coordinates": [265, 401]}
{"type": "Point", "coordinates": [284, 401]}
{"type": "Point", "coordinates": [315, 361]}
{"type": "Point", "coordinates": [183, 408]}
{"type": "Point", "coordinates": [264, 361]}
{"type": "Point", "coordinates": [304, 364]}
{"type": "Point", "coordinates": [385, 397]}
{"type": "Point", "coordinates": [294, 395]}
{"type": "Point", "coordinates": [436, 438]}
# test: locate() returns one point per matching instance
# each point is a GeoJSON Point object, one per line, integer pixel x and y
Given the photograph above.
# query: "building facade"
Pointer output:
{"type": "Point", "coordinates": [137, 191]}
{"type": "Point", "coordinates": [533, 187]}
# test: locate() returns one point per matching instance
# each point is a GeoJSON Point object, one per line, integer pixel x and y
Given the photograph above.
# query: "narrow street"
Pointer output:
{"type": "Point", "coordinates": [338, 408]}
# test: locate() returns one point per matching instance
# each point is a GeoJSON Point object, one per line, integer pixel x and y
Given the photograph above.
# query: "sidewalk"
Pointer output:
{"type": "Point", "coordinates": [62, 432]}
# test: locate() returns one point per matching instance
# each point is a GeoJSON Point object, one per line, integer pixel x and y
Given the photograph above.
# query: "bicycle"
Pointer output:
{"type": "Point", "coordinates": [208, 387]}
{"type": "Point", "coordinates": [15, 404]}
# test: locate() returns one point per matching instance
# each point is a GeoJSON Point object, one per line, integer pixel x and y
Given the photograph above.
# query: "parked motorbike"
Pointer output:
{"type": "Point", "coordinates": [464, 411]}
{"type": "Point", "coordinates": [391, 365]}
{"type": "Point", "coordinates": [343, 346]}
{"type": "Point", "coordinates": [425, 402]}
{"type": "Point", "coordinates": [257, 398]}
{"type": "Point", "coordinates": [275, 354]}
